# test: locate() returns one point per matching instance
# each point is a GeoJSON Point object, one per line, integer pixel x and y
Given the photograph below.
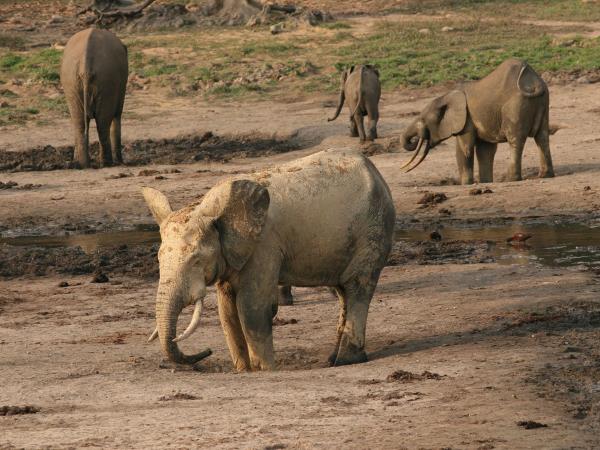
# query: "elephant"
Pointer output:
{"type": "Point", "coordinates": [93, 74]}
{"type": "Point", "coordinates": [508, 105]}
{"type": "Point", "coordinates": [323, 220]}
{"type": "Point", "coordinates": [361, 87]}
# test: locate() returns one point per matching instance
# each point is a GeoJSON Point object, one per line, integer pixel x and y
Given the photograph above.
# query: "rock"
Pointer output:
{"type": "Point", "coordinates": [63, 284]}
{"type": "Point", "coordinates": [531, 424]}
{"type": "Point", "coordinates": [447, 29]}
{"type": "Point", "coordinates": [4, 105]}
{"type": "Point", "coordinates": [55, 19]}
{"type": "Point", "coordinates": [100, 278]}
{"type": "Point", "coordinates": [425, 31]}
{"type": "Point", "coordinates": [277, 28]}
{"type": "Point", "coordinates": [584, 80]}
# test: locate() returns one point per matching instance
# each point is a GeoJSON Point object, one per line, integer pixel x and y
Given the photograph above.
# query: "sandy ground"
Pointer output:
{"type": "Point", "coordinates": [488, 345]}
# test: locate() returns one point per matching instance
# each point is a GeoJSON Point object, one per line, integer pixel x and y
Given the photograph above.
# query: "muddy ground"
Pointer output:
{"type": "Point", "coordinates": [461, 348]}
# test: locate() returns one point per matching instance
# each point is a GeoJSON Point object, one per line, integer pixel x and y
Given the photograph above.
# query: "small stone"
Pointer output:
{"type": "Point", "coordinates": [63, 284]}
{"type": "Point", "coordinates": [587, 188]}
{"type": "Point", "coordinates": [447, 29]}
{"type": "Point", "coordinates": [424, 31]}
{"type": "Point", "coordinates": [475, 191]}
{"type": "Point", "coordinates": [435, 236]}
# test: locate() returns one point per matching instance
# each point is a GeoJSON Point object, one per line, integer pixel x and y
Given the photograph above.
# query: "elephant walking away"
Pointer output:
{"type": "Point", "coordinates": [94, 75]}
{"type": "Point", "coordinates": [509, 105]}
{"type": "Point", "coordinates": [323, 220]}
{"type": "Point", "coordinates": [361, 88]}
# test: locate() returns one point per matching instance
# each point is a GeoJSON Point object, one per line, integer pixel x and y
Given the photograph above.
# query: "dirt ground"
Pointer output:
{"type": "Point", "coordinates": [459, 354]}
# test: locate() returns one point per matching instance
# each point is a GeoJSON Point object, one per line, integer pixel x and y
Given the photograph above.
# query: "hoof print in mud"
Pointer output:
{"type": "Point", "coordinates": [18, 410]}
{"type": "Point", "coordinates": [404, 376]}
{"type": "Point", "coordinates": [531, 424]}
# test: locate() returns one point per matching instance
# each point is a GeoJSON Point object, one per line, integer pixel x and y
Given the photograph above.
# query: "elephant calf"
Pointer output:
{"type": "Point", "coordinates": [323, 220]}
{"type": "Point", "coordinates": [94, 75]}
{"type": "Point", "coordinates": [509, 105]}
{"type": "Point", "coordinates": [361, 88]}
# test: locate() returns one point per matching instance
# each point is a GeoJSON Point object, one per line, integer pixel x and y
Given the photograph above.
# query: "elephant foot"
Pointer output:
{"type": "Point", "coordinates": [514, 177]}
{"type": "Point", "coordinates": [285, 297]}
{"type": "Point", "coordinates": [350, 354]}
{"type": "Point", "coordinates": [373, 135]}
{"type": "Point", "coordinates": [546, 174]}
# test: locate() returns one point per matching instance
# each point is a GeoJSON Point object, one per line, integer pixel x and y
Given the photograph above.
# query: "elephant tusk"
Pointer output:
{"type": "Point", "coordinates": [415, 154]}
{"type": "Point", "coordinates": [423, 156]}
{"type": "Point", "coordinates": [193, 324]}
{"type": "Point", "coordinates": [154, 335]}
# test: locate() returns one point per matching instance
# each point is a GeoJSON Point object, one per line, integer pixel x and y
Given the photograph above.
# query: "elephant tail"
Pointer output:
{"type": "Point", "coordinates": [86, 109]}
{"type": "Point", "coordinates": [339, 106]}
{"type": "Point", "coordinates": [360, 93]}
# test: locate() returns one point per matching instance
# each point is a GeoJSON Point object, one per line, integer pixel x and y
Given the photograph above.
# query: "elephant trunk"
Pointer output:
{"type": "Point", "coordinates": [169, 305]}
{"type": "Point", "coordinates": [407, 139]}
{"type": "Point", "coordinates": [339, 106]}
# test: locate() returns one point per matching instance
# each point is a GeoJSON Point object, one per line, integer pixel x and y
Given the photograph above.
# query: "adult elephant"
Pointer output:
{"type": "Point", "coordinates": [361, 88]}
{"type": "Point", "coordinates": [94, 75]}
{"type": "Point", "coordinates": [509, 105]}
{"type": "Point", "coordinates": [323, 220]}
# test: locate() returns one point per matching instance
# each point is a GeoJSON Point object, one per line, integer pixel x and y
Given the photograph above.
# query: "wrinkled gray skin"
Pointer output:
{"type": "Point", "coordinates": [361, 89]}
{"type": "Point", "coordinates": [323, 220]}
{"type": "Point", "coordinates": [509, 105]}
{"type": "Point", "coordinates": [94, 75]}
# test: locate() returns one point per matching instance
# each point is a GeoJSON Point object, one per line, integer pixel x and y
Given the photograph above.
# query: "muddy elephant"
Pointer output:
{"type": "Point", "coordinates": [361, 88]}
{"type": "Point", "coordinates": [509, 105]}
{"type": "Point", "coordinates": [94, 75]}
{"type": "Point", "coordinates": [323, 220]}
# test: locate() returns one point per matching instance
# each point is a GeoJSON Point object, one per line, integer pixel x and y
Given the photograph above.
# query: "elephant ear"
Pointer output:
{"type": "Point", "coordinates": [158, 204]}
{"type": "Point", "coordinates": [530, 83]}
{"type": "Point", "coordinates": [240, 208]}
{"type": "Point", "coordinates": [452, 115]}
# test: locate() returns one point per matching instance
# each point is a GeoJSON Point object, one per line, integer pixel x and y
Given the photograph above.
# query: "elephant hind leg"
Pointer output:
{"type": "Point", "coordinates": [105, 146]}
{"type": "Point", "coordinates": [486, 151]}
{"type": "Point", "coordinates": [357, 294]}
{"type": "Point", "coordinates": [542, 139]}
{"type": "Point", "coordinates": [115, 140]}
{"type": "Point", "coordinates": [341, 323]}
{"type": "Point", "coordinates": [359, 119]}
{"type": "Point", "coordinates": [232, 328]}
{"type": "Point", "coordinates": [373, 114]}
{"type": "Point", "coordinates": [353, 127]}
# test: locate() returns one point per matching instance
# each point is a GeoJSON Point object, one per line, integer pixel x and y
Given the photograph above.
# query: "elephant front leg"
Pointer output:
{"type": "Point", "coordinates": [486, 151]}
{"type": "Point", "coordinates": [465, 158]}
{"type": "Point", "coordinates": [232, 328]}
{"type": "Point", "coordinates": [255, 310]}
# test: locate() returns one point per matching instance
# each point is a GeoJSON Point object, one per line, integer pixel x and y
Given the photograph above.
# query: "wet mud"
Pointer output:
{"type": "Point", "coordinates": [180, 150]}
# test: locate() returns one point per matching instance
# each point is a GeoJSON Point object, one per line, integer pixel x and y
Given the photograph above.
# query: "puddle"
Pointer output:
{"type": "Point", "coordinates": [566, 245]}
{"type": "Point", "coordinates": [89, 243]}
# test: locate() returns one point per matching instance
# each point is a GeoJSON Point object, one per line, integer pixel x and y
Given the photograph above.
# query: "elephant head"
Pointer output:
{"type": "Point", "coordinates": [200, 244]}
{"type": "Point", "coordinates": [444, 117]}
{"type": "Point", "coordinates": [342, 98]}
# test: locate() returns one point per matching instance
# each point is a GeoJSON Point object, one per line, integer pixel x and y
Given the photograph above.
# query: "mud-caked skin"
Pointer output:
{"type": "Point", "coordinates": [509, 105]}
{"type": "Point", "coordinates": [361, 88]}
{"type": "Point", "coordinates": [323, 220]}
{"type": "Point", "coordinates": [94, 75]}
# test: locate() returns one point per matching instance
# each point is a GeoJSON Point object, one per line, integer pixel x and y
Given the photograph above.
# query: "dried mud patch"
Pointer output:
{"type": "Point", "coordinates": [139, 261]}
{"type": "Point", "coordinates": [179, 150]}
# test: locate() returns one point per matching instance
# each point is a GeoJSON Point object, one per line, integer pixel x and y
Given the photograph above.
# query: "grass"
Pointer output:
{"type": "Point", "coordinates": [39, 65]}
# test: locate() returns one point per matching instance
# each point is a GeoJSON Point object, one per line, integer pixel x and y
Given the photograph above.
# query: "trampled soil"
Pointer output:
{"type": "Point", "coordinates": [459, 354]}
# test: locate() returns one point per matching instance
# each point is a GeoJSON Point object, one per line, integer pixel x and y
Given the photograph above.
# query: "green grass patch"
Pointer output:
{"type": "Point", "coordinates": [564, 10]}
{"type": "Point", "coordinates": [40, 65]}
{"type": "Point", "coordinates": [407, 57]}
